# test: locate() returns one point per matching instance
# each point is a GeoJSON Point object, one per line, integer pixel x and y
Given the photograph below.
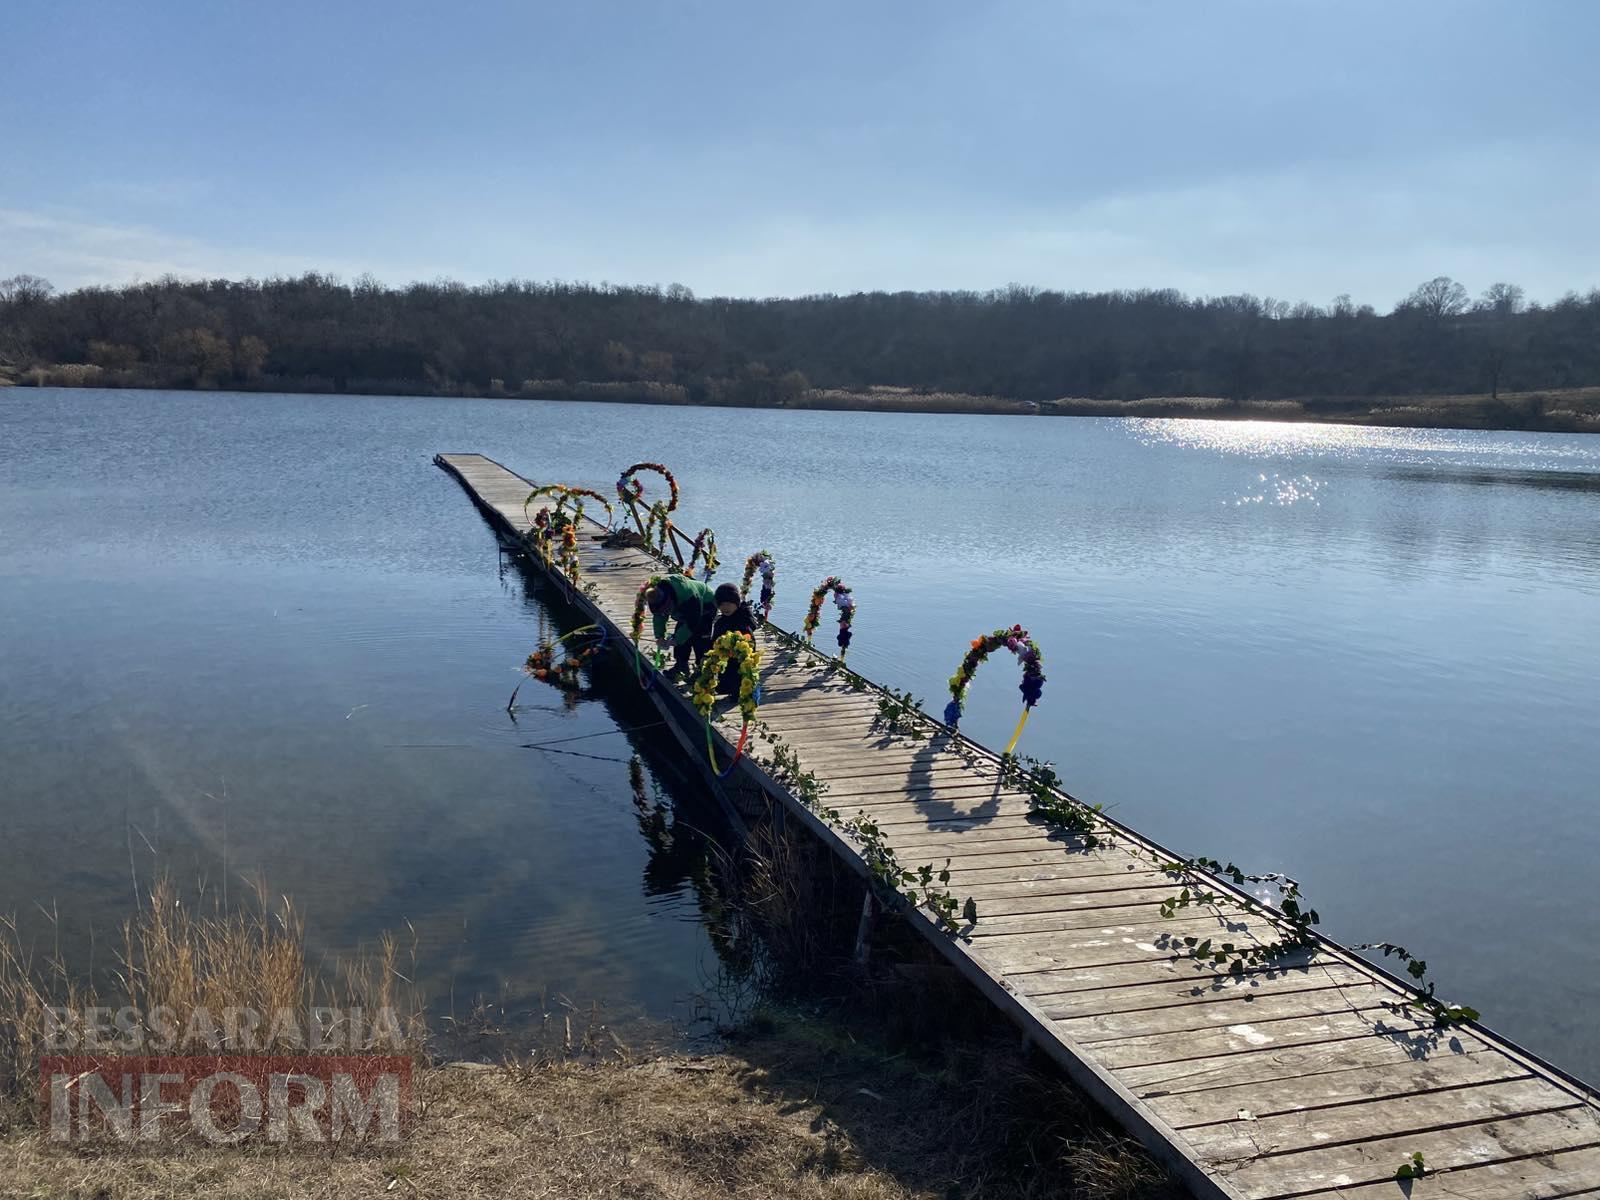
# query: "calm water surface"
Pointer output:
{"type": "Point", "coordinates": [263, 633]}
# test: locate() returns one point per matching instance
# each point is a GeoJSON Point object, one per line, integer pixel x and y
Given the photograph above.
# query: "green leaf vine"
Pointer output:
{"type": "Point", "coordinates": [924, 887]}
{"type": "Point", "coordinates": [1040, 783]}
{"type": "Point", "coordinates": [1294, 919]}
{"type": "Point", "coordinates": [900, 713]}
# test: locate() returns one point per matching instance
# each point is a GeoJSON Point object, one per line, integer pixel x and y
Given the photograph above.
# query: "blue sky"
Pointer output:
{"type": "Point", "coordinates": [1280, 147]}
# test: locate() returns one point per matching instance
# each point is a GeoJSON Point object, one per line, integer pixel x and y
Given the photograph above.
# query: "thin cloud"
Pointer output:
{"type": "Point", "coordinates": [75, 253]}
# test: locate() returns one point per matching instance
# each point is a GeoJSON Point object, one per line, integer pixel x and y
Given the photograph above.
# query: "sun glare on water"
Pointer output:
{"type": "Point", "coordinates": [1284, 437]}
{"type": "Point", "coordinates": [1281, 491]}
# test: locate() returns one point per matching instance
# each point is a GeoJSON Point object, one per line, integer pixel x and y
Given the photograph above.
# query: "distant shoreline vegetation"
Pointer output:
{"type": "Point", "coordinates": [1438, 359]}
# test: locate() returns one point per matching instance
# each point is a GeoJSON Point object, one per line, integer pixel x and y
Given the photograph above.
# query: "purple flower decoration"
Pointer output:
{"type": "Point", "coordinates": [952, 713]}
{"type": "Point", "coordinates": [1032, 688]}
{"type": "Point", "coordinates": [844, 639]}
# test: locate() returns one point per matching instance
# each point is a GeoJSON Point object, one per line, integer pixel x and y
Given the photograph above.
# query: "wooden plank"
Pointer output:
{"type": "Point", "coordinates": [837, 732]}
{"type": "Point", "coordinates": [997, 925]}
{"type": "Point", "coordinates": [909, 812]}
{"type": "Point", "coordinates": [1064, 954]}
{"type": "Point", "coordinates": [797, 720]}
{"type": "Point", "coordinates": [777, 688]}
{"type": "Point", "coordinates": [1044, 857]}
{"type": "Point", "coordinates": [1185, 993]}
{"type": "Point", "coordinates": [1283, 1061]}
{"type": "Point", "coordinates": [1326, 1128]}
{"type": "Point", "coordinates": [787, 701]}
{"type": "Point", "coordinates": [1247, 1036]}
{"type": "Point", "coordinates": [1051, 988]}
{"type": "Point", "coordinates": [1336, 1088]}
{"type": "Point", "coordinates": [914, 784]}
{"type": "Point", "coordinates": [1248, 1009]}
{"type": "Point", "coordinates": [1043, 968]}
{"type": "Point", "coordinates": [1039, 866]}
{"type": "Point", "coordinates": [1070, 885]}
{"type": "Point", "coordinates": [860, 776]}
{"type": "Point", "coordinates": [859, 745]}
{"type": "Point", "coordinates": [1034, 841]}
{"type": "Point", "coordinates": [1374, 1161]}
{"type": "Point", "coordinates": [1016, 905]}
{"type": "Point", "coordinates": [911, 804]}
{"type": "Point", "coordinates": [940, 783]}
{"type": "Point", "coordinates": [1173, 972]}
{"type": "Point", "coordinates": [1562, 1175]}
{"type": "Point", "coordinates": [1141, 922]}
{"type": "Point", "coordinates": [914, 834]}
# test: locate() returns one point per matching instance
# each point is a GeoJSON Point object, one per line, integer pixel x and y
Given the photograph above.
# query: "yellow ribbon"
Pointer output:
{"type": "Point", "coordinates": [1017, 732]}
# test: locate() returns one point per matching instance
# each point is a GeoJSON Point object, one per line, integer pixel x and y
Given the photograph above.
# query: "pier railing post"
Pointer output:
{"type": "Point", "coordinates": [677, 550]}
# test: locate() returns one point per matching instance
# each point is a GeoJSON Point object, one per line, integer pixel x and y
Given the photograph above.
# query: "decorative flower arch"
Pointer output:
{"type": "Point", "coordinates": [563, 672]}
{"type": "Point", "coordinates": [705, 545]}
{"type": "Point", "coordinates": [544, 524]}
{"type": "Point", "coordinates": [846, 604]}
{"type": "Point", "coordinates": [539, 534]}
{"type": "Point", "coordinates": [761, 561]}
{"type": "Point", "coordinates": [1019, 642]}
{"type": "Point", "coordinates": [544, 665]}
{"type": "Point", "coordinates": [740, 650]}
{"type": "Point", "coordinates": [658, 527]}
{"type": "Point", "coordinates": [568, 555]}
{"type": "Point", "coordinates": [631, 491]}
{"type": "Point", "coordinates": [637, 629]}
{"type": "Point", "coordinates": [563, 494]}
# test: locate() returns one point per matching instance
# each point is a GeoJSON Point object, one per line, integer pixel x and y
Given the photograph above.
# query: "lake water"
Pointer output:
{"type": "Point", "coordinates": [264, 633]}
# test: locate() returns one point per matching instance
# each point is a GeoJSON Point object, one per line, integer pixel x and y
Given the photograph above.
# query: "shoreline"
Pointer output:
{"type": "Point", "coordinates": [1563, 410]}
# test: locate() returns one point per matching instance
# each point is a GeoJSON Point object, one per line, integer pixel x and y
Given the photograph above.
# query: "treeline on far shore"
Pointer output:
{"type": "Point", "coordinates": [1439, 357]}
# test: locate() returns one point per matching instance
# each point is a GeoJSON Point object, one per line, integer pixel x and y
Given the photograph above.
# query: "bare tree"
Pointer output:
{"type": "Point", "coordinates": [1500, 303]}
{"type": "Point", "coordinates": [25, 290]}
{"type": "Point", "coordinates": [1437, 299]}
{"type": "Point", "coordinates": [1501, 299]}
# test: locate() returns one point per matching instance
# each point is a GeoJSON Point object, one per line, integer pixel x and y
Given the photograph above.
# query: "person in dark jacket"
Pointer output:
{"type": "Point", "coordinates": [734, 615]}
{"type": "Point", "coordinates": [693, 606]}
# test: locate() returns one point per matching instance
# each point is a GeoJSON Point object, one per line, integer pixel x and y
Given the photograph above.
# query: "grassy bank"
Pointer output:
{"type": "Point", "coordinates": [1572, 410]}
{"type": "Point", "coordinates": [1568, 410]}
{"type": "Point", "coordinates": [800, 1103]}
{"type": "Point", "coordinates": [883, 1081]}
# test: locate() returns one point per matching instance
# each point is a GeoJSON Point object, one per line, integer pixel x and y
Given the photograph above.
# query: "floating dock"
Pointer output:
{"type": "Point", "coordinates": [1311, 1077]}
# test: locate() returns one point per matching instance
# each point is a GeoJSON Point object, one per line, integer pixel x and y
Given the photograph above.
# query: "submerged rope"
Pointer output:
{"type": "Point", "coordinates": [738, 750]}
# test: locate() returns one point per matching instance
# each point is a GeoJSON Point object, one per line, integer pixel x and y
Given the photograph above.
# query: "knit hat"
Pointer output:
{"type": "Point", "coordinates": [727, 594]}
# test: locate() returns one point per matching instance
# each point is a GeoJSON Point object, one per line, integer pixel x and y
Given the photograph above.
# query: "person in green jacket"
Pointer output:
{"type": "Point", "coordinates": [693, 606]}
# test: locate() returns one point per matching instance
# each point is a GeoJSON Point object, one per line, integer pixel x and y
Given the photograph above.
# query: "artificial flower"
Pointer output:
{"type": "Point", "coordinates": [1015, 639]}
{"type": "Point", "coordinates": [847, 610]}
{"type": "Point", "coordinates": [761, 560]}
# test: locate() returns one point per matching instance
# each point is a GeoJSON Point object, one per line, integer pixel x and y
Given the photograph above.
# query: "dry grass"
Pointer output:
{"type": "Point", "coordinates": [183, 956]}
{"type": "Point", "coordinates": [66, 375]}
{"type": "Point", "coordinates": [1574, 410]}
{"type": "Point", "coordinates": [800, 1107]}
{"type": "Point", "coordinates": [889, 399]}
{"type": "Point", "coordinates": [889, 1082]}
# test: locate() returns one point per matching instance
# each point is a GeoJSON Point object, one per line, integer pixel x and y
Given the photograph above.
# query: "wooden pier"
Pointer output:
{"type": "Point", "coordinates": [1309, 1077]}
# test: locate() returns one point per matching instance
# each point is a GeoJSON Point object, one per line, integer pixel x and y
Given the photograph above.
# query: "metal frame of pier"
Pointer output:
{"type": "Point", "coordinates": [1308, 1078]}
